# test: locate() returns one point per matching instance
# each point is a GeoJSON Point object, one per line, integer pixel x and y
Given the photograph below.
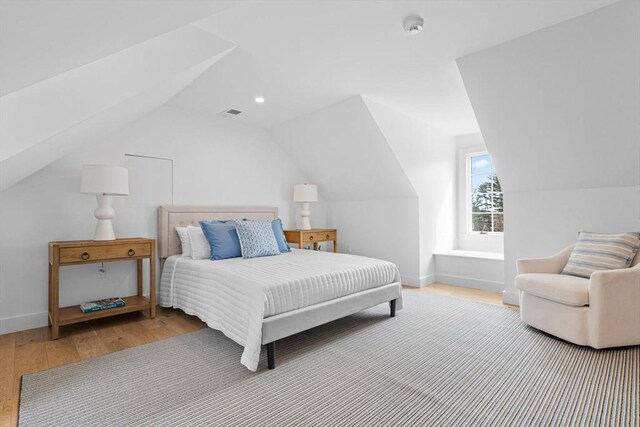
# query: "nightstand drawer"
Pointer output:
{"type": "Point", "coordinates": [319, 236]}
{"type": "Point", "coordinates": [102, 253]}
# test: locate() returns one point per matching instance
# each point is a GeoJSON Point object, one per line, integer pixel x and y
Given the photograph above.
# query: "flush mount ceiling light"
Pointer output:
{"type": "Point", "coordinates": [259, 100]}
{"type": "Point", "coordinates": [413, 25]}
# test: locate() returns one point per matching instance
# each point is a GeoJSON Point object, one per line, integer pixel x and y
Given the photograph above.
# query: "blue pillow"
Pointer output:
{"type": "Point", "coordinates": [257, 239]}
{"type": "Point", "coordinates": [223, 239]}
{"type": "Point", "coordinates": [278, 231]}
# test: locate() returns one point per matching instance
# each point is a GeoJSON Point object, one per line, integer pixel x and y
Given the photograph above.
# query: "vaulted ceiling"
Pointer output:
{"type": "Point", "coordinates": [72, 70]}
{"type": "Point", "coordinates": [304, 55]}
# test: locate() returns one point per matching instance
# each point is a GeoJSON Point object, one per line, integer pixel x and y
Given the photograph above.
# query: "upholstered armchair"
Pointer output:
{"type": "Point", "coordinates": [602, 311]}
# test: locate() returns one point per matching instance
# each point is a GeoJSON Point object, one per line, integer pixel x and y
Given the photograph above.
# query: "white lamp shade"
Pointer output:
{"type": "Point", "coordinates": [305, 193]}
{"type": "Point", "coordinates": [103, 179]}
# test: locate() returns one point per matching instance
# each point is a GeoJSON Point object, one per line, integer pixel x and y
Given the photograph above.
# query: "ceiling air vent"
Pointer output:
{"type": "Point", "coordinates": [230, 113]}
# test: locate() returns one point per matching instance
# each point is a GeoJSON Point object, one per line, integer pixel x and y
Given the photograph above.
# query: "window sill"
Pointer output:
{"type": "Point", "coordinates": [477, 233]}
{"type": "Point", "coordinates": [494, 256]}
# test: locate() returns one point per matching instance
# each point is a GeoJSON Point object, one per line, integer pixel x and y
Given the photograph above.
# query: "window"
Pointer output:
{"type": "Point", "coordinates": [484, 195]}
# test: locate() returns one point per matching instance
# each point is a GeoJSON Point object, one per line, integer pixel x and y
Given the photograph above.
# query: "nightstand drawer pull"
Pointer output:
{"type": "Point", "coordinates": [327, 237]}
{"type": "Point", "coordinates": [310, 237]}
{"type": "Point", "coordinates": [85, 256]}
{"type": "Point", "coordinates": [131, 252]}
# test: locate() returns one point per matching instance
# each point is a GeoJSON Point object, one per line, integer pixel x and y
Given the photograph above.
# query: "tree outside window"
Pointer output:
{"type": "Point", "coordinates": [486, 200]}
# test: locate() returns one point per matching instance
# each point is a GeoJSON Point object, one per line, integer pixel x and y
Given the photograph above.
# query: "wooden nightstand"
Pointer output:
{"type": "Point", "coordinates": [87, 252]}
{"type": "Point", "coordinates": [315, 235]}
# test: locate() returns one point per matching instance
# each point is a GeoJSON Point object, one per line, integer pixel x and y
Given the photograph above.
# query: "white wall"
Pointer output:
{"type": "Point", "coordinates": [381, 228]}
{"type": "Point", "coordinates": [537, 231]}
{"type": "Point", "coordinates": [215, 161]}
{"type": "Point", "coordinates": [471, 269]}
{"type": "Point", "coordinates": [559, 112]}
{"type": "Point", "coordinates": [427, 156]}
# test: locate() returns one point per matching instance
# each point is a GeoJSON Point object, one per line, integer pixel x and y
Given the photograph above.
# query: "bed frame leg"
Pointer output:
{"type": "Point", "coordinates": [271, 355]}
{"type": "Point", "coordinates": [392, 305]}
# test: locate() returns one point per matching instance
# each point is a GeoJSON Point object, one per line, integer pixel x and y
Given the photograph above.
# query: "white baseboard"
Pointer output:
{"type": "Point", "coordinates": [418, 282]}
{"type": "Point", "coordinates": [470, 282]}
{"type": "Point", "coordinates": [511, 297]}
{"type": "Point", "coordinates": [23, 322]}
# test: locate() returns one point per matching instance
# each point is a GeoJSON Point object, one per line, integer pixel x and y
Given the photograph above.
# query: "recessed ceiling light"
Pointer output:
{"type": "Point", "coordinates": [413, 25]}
{"type": "Point", "coordinates": [259, 99]}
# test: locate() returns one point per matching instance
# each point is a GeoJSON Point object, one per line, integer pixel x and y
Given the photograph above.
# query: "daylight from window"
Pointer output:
{"type": "Point", "coordinates": [485, 196]}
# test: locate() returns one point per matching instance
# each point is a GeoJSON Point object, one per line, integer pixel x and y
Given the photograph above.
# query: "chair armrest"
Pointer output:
{"type": "Point", "coordinates": [552, 265]}
{"type": "Point", "coordinates": [614, 306]}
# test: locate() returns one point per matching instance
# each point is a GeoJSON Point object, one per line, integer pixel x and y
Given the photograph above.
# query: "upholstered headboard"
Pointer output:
{"type": "Point", "coordinates": [172, 216]}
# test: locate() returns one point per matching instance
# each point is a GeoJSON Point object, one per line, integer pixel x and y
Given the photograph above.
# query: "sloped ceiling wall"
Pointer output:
{"type": "Point", "coordinates": [341, 148]}
{"type": "Point", "coordinates": [46, 120]}
{"type": "Point", "coordinates": [40, 39]}
{"type": "Point", "coordinates": [343, 151]}
{"type": "Point", "coordinates": [560, 112]}
{"type": "Point", "coordinates": [368, 157]}
{"type": "Point", "coordinates": [28, 161]}
{"type": "Point", "coordinates": [423, 152]}
{"type": "Point", "coordinates": [559, 108]}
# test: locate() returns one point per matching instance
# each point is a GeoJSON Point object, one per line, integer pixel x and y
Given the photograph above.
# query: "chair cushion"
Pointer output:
{"type": "Point", "coordinates": [569, 290]}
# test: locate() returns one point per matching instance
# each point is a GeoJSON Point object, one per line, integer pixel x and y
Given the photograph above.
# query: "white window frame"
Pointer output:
{"type": "Point", "coordinates": [468, 190]}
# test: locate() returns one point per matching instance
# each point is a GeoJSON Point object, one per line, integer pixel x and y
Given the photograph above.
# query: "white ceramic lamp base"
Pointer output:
{"type": "Point", "coordinates": [305, 213]}
{"type": "Point", "coordinates": [104, 213]}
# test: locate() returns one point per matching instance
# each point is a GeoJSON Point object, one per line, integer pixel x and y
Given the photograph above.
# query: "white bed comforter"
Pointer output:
{"type": "Point", "coordinates": [235, 295]}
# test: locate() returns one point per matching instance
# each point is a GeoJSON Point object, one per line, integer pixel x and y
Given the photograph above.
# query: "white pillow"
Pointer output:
{"type": "Point", "coordinates": [200, 248]}
{"type": "Point", "coordinates": [184, 241]}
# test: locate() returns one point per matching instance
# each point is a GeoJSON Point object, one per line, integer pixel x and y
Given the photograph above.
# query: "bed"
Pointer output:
{"type": "Point", "coordinates": [258, 301]}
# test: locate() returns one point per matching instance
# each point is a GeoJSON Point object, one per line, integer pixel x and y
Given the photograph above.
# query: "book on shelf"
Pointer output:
{"type": "Point", "coordinates": [101, 304]}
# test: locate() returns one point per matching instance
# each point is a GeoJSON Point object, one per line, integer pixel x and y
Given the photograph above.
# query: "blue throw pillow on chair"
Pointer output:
{"type": "Point", "coordinates": [223, 239]}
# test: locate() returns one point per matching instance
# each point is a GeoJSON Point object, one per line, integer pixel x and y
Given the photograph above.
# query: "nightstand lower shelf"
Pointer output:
{"type": "Point", "coordinates": [73, 314]}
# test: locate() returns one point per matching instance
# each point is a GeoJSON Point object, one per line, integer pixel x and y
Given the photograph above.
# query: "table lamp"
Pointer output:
{"type": "Point", "coordinates": [305, 193]}
{"type": "Point", "coordinates": [104, 181]}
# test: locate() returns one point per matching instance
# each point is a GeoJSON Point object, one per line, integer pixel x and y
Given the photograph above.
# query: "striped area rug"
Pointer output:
{"type": "Point", "coordinates": [440, 362]}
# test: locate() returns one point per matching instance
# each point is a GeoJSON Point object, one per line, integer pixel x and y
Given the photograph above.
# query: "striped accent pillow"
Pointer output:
{"type": "Point", "coordinates": [599, 251]}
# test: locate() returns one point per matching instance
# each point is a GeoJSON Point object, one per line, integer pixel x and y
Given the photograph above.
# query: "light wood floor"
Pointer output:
{"type": "Point", "coordinates": [31, 351]}
{"type": "Point", "coordinates": [494, 298]}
